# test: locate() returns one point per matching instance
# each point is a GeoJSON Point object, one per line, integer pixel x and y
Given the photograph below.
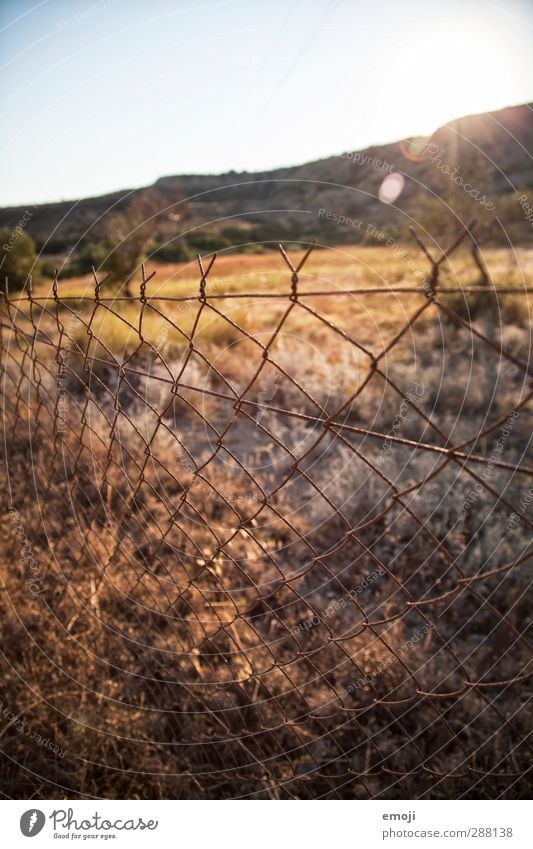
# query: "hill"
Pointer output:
{"type": "Point", "coordinates": [286, 203]}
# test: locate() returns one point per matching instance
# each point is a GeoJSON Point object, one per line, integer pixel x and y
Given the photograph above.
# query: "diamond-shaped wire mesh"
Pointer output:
{"type": "Point", "coordinates": [285, 562]}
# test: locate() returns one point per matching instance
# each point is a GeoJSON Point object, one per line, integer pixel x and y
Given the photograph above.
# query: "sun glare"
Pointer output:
{"type": "Point", "coordinates": [439, 72]}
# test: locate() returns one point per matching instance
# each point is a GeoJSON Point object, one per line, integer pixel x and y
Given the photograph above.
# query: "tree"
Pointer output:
{"type": "Point", "coordinates": [463, 193]}
{"type": "Point", "coordinates": [463, 184]}
{"type": "Point", "coordinates": [127, 236]}
{"type": "Point", "coordinates": [18, 257]}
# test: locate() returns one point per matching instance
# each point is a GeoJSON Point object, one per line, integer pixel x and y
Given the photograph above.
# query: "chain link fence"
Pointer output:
{"type": "Point", "coordinates": [269, 541]}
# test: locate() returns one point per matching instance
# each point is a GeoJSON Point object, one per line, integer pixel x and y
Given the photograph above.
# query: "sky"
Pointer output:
{"type": "Point", "coordinates": [112, 94]}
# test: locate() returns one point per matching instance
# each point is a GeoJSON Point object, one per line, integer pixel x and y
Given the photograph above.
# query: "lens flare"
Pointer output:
{"type": "Point", "coordinates": [415, 149]}
{"type": "Point", "coordinates": [391, 187]}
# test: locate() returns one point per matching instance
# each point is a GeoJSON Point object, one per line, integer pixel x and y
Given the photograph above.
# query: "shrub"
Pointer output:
{"type": "Point", "coordinates": [17, 256]}
{"type": "Point", "coordinates": [175, 251]}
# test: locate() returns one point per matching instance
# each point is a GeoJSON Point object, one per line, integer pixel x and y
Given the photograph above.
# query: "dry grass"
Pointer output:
{"type": "Point", "coordinates": [177, 609]}
{"type": "Point", "coordinates": [344, 268]}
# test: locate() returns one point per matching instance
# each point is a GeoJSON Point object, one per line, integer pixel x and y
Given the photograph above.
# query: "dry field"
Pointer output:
{"type": "Point", "coordinates": [259, 568]}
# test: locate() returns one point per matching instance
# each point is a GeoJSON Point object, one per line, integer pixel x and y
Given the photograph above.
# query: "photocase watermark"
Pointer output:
{"type": "Point", "coordinates": [66, 824]}
{"type": "Point", "coordinates": [184, 460]}
{"type": "Point", "coordinates": [382, 666]}
{"type": "Point", "coordinates": [32, 822]}
{"type": "Point", "coordinates": [527, 208]}
{"type": "Point", "coordinates": [416, 393]}
{"type": "Point", "coordinates": [86, 13]}
{"type": "Point", "coordinates": [404, 256]}
{"type": "Point", "coordinates": [268, 387]}
{"type": "Point", "coordinates": [11, 99]}
{"type": "Point", "coordinates": [65, 819]}
{"type": "Point", "coordinates": [17, 232]}
{"type": "Point", "coordinates": [15, 721]}
{"type": "Point", "coordinates": [161, 340]}
{"type": "Point", "coordinates": [488, 469]}
{"type": "Point", "coordinates": [339, 218]}
{"type": "Point", "coordinates": [402, 253]}
{"type": "Point", "coordinates": [338, 603]}
{"type": "Point", "coordinates": [365, 159]}
{"type": "Point", "coordinates": [372, 231]}
{"type": "Point", "coordinates": [62, 367]}
{"type": "Point", "coordinates": [516, 518]}
{"type": "Point", "coordinates": [367, 228]}
{"type": "Point", "coordinates": [254, 498]}
{"type": "Point", "coordinates": [435, 154]}
{"type": "Point", "coordinates": [34, 581]}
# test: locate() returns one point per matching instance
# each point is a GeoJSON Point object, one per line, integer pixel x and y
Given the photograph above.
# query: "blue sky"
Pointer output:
{"type": "Point", "coordinates": [104, 95]}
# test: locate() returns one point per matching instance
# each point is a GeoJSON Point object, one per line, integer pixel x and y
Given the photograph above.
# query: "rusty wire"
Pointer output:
{"type": "Point", "coordinates": [231, 612]}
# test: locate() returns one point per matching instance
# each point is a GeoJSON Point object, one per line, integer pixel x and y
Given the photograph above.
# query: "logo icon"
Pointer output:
{"type": "Point", "coordinates": [268, 387]}
{"type": "Point", "coordinates": [32, 822]}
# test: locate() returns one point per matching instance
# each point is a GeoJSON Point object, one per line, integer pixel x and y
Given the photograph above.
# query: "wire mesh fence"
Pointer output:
{"type": "Point", "coordinates": [275, 541]}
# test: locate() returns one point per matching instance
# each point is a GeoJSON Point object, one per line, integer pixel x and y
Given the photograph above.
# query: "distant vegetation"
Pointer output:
{"type": "Point", "coordinates": [17, 256]}
{"type": "Point", "coordinates": [479, 168]}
